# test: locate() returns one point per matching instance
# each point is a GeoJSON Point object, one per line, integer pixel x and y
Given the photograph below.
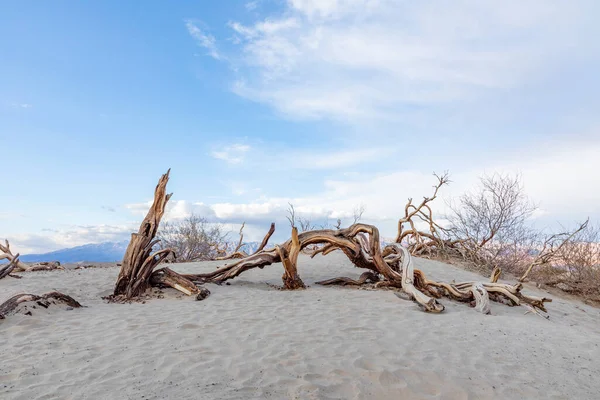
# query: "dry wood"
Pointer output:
{"type": "Point", "coordinates": [137, 269]}
{"type": "Point", "coordinates": [45, 266]}
{"type": "Point", "coordinates": [365, 277]}
{"type": "Point", "coordinates": [169, 278]}
{"type": "Point", "coordinates": [266, 238]}
{"type": "Point", "coordinates": [482, 299]}
{"type": "Point", "coordinates": [6, 254]}
{"type": "Point", "coordinates": [360, 243]}
{"type": "Point", "coordinates": [496, 272]}
{"type": "Point", "coordinates": [44, 301]}
{"type": "Point", "coordinates": [420, 243]}
{"type": "Point", "coordinates": [6, 270]}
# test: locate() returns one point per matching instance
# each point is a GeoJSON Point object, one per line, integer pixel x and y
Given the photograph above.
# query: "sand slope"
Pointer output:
{"type": "Point", "coordinates": [251, 341]}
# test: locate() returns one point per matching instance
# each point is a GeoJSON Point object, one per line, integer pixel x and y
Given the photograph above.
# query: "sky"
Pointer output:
{"type": "Point", "coordinates": [326, 104]}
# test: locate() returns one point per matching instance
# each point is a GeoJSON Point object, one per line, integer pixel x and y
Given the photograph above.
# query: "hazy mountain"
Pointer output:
{"type": "Point", "coordinates": [101, 252]}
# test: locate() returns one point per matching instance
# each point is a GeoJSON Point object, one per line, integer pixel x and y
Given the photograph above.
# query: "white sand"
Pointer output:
{"type": "Point", "coordinates": [250, 341]}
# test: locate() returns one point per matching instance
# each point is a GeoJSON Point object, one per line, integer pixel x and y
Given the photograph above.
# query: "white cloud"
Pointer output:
{"type": "Point", "coordinates": [251, 5]}
{"type": "Point", "coordinates": [22, 105]}
{"type": "Point", "coordinates": [69, 236]}
{"type": "Point", "coordinates": [562, 178]}
{"type": "Point", "coordinates": [203, 39]}
{"type": "Point", "coordinates": [354, 59]}
{"type": "Point", "coordinates": [233, 154]}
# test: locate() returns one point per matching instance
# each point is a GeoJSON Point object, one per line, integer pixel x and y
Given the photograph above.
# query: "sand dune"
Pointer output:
{"type": "Point", "coordinates": [251, 341]}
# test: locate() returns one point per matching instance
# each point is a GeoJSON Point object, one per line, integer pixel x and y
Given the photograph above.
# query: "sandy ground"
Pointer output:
{"type": "Point", "coordinates": [251, 341]}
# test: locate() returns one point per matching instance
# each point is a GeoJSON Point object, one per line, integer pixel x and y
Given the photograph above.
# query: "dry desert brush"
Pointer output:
{"type": "Point", "coordinates": [192, 238]}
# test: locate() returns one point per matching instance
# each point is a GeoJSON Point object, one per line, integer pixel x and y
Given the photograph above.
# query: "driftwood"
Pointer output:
{"type": "Point", "coordinates": [44, 301]}
{"type": "Point", "coordinates": [16, 265]}
{"type": "Point", "coordinates": [390, 267]}
{"type": "Point", "coordinates": [360, 243]}
{"type": "Point", "coordinates": [7, 269]}
{"type": "Point", "coordinates": [45, 266]}
{"type": "Point", "coordinates": [365, 277]}
{"type": "Point", "coordinates": [422, 243]}
{"type": "Point", "coordinates": [137, 272]}
{"type": "Point", "coordinates": [6, 254]}
{"type": "Point", "coordinates": [237, 253]}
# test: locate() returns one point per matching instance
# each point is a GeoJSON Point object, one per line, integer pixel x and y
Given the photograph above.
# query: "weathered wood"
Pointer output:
{"type": "Point", "coordinates": [266, 238]}
{"type": "Point", "coordinates": [6, 270]}
{"type": "Point", "coordinates": [360, 243]}
{"type": "Point", "coordinates": [167, 277]}
{"type": "Point", "coordinates": [482, 299]}
{"type": "Point", "coordinates": [289, 259]}
{"type": "Point", "coordinates": [138, 262]}
{"type": "Point", "coordinates": [137, 272]}
{"type": "Point", "coordinates": [6, 254]}
{"type": "Point", "coordinates": [496, 272]}
{"type": "Point", "coordinates": [365, 277]}
{"type": "Point", "coordinates": [44, 301]}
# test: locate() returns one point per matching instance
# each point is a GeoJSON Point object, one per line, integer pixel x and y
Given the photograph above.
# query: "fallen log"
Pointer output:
{"type": "Point", "coordinates": [44, 301]}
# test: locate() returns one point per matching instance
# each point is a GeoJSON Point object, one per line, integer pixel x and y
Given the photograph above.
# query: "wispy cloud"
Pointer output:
{"type": "Point", "coordinates": [22, 105]}
{"type": "Point", "coordinates": [362, 59]}
{"type": "Point", "coordinates": [203, 39]}
{"type": "Point", "coordinates": [318, 159]}
{"type": "Point", "coordinates": [251, 5]}
{"type": "Point", "coordinates": [233, 154]}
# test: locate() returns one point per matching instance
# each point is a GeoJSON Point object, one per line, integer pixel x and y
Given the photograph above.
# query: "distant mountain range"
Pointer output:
{"type": "Point", "coordinates": [100, 252]}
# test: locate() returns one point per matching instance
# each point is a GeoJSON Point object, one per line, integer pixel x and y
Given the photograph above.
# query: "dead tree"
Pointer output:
{"type": "Point", "coordinates": [357, 214]}
{"type": "Point", "coordinates": [418, 242]}
{"type": "Point", "coordinates": [360, 243]}
{"type": "Point", "coordinates": [137, 269]}
{"type": "Point", "coordinates": [43, 301]}
{"type": "Point", "coordinates": [490, 223]}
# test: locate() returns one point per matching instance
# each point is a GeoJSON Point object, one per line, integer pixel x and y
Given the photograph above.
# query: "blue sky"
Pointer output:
{"type": "Point", "coordinates": [327, 104]}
